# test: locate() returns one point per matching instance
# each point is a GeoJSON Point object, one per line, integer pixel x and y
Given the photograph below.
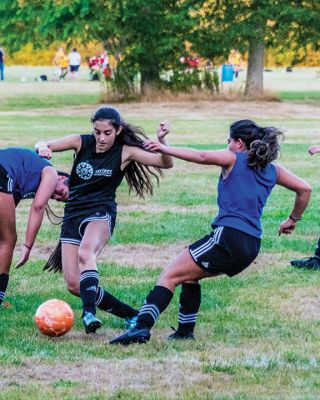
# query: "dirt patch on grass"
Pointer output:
{"type": "Point", "coordinates": [199, 110]}
{"type": "Point", "coordinates": [170, 376]}
{"type": "Point", "coordinates": [302, 305]}
{"type": "Point", "coordinates": [134, 255]}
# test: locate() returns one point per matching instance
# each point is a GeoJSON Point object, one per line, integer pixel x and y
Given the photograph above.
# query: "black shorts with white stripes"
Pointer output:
{"type": "Point", "coordinates": [225, 251]}
{"type": "Point", "coordinates": [5, 181]}
{"type": "Point", "coordinates": [72, 229]}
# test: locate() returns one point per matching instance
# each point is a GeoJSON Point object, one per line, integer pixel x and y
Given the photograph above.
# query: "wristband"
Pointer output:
{"type": "Point", "coordinates": [28, 247]}
{"type": "Point", "coordinates": [295, 219]}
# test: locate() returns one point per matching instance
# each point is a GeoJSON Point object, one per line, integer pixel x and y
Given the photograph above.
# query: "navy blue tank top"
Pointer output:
{"type": "Point", "coordinates": [94, 179]}
{"type": "Point", "coordinates": [243, 195]}
{"type": "Point", "coordinates": [24, 168]}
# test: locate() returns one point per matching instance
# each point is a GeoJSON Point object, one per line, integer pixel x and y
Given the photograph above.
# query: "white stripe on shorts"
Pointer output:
{"type": "Point", "coordinates": [70, 241]}
{"type": "Point", "coordinates": [106, 218]}
{"type": "Point", "coordinates": [208, 244]}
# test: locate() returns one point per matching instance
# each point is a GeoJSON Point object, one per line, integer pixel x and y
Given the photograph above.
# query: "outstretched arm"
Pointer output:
{"type": "Point", "coordinates": [48, 183]}
{"type": "Point", "coordinates": [303, 192]}
{"type": "Point", "coordinates": [133, 153]}
{"type": "Point", "coordinates": [45, 148]}
{"type": "Point", "coordinates": [314, 149]}
{"type": "Point", "coordinates": [223, 158]}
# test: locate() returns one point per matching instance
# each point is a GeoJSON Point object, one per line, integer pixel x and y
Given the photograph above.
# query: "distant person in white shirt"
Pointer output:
{"type": "Point", "coordinates": [74, 62]}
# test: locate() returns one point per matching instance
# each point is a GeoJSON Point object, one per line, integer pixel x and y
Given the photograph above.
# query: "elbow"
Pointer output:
{"type": "Point", "coordinates": [305, 191]}
{"type": "Point", "coordinates": [38, 208]}
{"type": "Point", "coordinates": [169, 165]}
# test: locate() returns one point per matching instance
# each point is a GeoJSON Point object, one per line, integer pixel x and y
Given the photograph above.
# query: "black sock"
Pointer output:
{"type": "Point", "coordinates": [156, 302]}
{"type": "Point", "coordinates": [89, 281]}
{"type": "Point", "coordinates": [190, 300]}
{"type": "Point", "coordinates": [106, 302]}
{"type": "Point", "coordinates": [317, 253]}
{"type": "Point", "coordinates": [4, 279]}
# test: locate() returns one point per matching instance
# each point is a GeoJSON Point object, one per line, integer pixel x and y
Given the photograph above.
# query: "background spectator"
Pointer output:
{"type": "Point", "coordinates": [74, 62]}
{"type": "Point", "coordinates": [1, 64]}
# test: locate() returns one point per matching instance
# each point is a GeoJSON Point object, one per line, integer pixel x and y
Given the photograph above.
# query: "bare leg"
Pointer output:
{"type": "Point", "coordinates": [70, 266]}
{"type": "Point", "coordinates": [8, 239]}
{"type": "Point", "coordinates": [182, 269]}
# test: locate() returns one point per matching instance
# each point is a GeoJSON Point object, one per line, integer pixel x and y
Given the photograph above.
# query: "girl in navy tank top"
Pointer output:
{"type": "Point", "coordinates": [114, 150]}
{"type": "Point", "coordinates": [23, 174]}
{"type": "Point", "coordinates": [247, 178]}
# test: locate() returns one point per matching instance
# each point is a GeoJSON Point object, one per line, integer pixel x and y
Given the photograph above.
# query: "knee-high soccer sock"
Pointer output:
{"type": "Point", "coordinates": [190, 299]}
{"type": "Point", "coordinates": [89, 281]}
{"type": "Point", "coordinates": [317, 253]}
{"type": "Point", "coordinates": [156, 302]}
{"type": "Point", "coordinates": [4, 279]}
{"type": "Point", "coordinates": [106, 302]}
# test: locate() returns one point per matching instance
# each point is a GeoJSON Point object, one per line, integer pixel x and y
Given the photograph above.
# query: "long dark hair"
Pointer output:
{"type": "Point", "coordinates": [137, 175]}
{"type": "Point", "coordinates": [261, 143]}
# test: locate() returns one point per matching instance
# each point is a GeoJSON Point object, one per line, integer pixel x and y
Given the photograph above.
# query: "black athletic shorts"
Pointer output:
{"type": "Point", "coordinates": [74, 68]}
{"type": "Point", "coordinates": [72, 229]}
{"type": "Point", "coordinates": [5, 181]}
{"type": "Point", "coordinates": [225, 251]}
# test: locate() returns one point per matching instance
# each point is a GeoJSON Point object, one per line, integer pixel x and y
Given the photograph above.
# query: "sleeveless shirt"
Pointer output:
{"type": "Point", "coordinates": [94, 179]}
{"type": "Point", "coordinates": [243, 195]}
{"type": "Point", "coordinates": [24, 168]}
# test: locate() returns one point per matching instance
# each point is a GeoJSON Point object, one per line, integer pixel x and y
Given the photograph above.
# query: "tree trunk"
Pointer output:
{"type": "Point", "coordinates": [149, 77]}
{"type": "Point", "coordinates": [254, 83]}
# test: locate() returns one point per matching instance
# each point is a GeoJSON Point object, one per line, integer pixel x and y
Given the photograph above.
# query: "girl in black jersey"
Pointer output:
{"type": "Point", "coordinates": [114, 149]}
{"type": "Point", "coordinates": [23, 174]}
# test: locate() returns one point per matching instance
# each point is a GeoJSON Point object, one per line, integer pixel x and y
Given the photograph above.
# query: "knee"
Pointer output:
{"type": "Point", "coordinates": [73, 288]}
{"type": "Point", "coordinates": [9, 240]}
{"type": "Point", "coordinates": [85, 257]}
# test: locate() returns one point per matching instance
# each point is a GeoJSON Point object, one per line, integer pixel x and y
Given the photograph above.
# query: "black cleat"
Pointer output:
{"type": "Point", "coordinates": [134, 335]}
{"type": "Point", "coordinates": [91, 322]}
{"type": "Point", "coordinates": [307, 263]}
{"type": "Point", "coordinates": [180, 335]}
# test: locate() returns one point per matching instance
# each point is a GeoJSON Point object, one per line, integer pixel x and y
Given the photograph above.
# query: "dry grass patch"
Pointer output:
{"type": "Point", "coordinates": [302, 303]}
{"type": "Point", "coordinates": [107, 376]}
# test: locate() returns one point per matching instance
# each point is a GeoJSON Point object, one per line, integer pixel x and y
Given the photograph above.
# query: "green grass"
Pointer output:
{"type": "Point", "coordinates": [257, 334]}
{"type": "Point", "coordinates": [47, 101]}
{"type": "Point", "coordinates": [299, 95]}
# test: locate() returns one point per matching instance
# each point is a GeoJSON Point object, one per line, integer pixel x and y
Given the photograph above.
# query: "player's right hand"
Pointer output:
{"type": "Point", "coordinates": [45, 152]}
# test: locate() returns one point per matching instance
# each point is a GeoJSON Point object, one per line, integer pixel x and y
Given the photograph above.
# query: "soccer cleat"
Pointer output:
{"type": "Point", "coordinates": [91, 322]}
{"type": "Point", "coordinates": [135, 335]}
{"type": "Point", "coordinates": [180, 335]}
{"type": "Point", "coordinates": [308, 262]}
{"type": "Point", "coordinates": [131, 323]}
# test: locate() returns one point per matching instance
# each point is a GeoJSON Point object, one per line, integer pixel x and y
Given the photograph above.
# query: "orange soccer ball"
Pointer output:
{"type": "Point", "coordinates": [54, 317]}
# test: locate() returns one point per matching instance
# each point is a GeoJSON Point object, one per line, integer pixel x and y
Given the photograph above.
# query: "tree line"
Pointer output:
{"type": "Point", "coordinates": [149, 37]}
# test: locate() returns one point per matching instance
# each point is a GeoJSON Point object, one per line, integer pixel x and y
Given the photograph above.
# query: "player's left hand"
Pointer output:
{"type": "Point", "coordinates": [287, 227]}
{"type": "Point", "coordinates": [155, 147]}
{"type": "Point", "coordinates": [24, 257]}
{"type": "Point", "coordinates": [163, 130]}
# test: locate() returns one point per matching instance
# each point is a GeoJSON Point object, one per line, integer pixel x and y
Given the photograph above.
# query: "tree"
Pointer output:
{"type": "Point", "coordinates": [252, 26]}
{"type": "Point", "coordinates": [145, 36]}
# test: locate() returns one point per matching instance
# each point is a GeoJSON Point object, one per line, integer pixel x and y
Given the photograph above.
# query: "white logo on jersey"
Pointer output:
{"type": "Point", "coordinates": [84, 170]}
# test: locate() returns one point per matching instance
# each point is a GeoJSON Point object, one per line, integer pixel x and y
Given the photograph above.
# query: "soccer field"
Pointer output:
{"type": "Point", "coordinates": [257, 334]}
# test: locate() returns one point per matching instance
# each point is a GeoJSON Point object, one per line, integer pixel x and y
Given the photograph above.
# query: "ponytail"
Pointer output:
{"type": "Point", "coordinates": [262, 143]}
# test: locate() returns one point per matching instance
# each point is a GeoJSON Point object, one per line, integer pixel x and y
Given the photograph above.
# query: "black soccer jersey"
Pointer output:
{"type": "Point", "coordinates": [94, 179]}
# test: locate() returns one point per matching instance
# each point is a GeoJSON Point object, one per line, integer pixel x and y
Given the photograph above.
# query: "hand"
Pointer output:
{"type": "Point", "coordinates": [24, 258]}
{"type": "Point", "coordinates": [287, 227]}
{"type": "Point", "coordinates": [45, 152]}
{"type": "Point", "coordinates": [155, 147]}
{"type": "Point", "coordinates": [163, 130]}
{"type": "Point", "coordinates": [314, 149]}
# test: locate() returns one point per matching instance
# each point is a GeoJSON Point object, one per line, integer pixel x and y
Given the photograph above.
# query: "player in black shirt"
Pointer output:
{"type": "Point", "coordinates": [114, 149]}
